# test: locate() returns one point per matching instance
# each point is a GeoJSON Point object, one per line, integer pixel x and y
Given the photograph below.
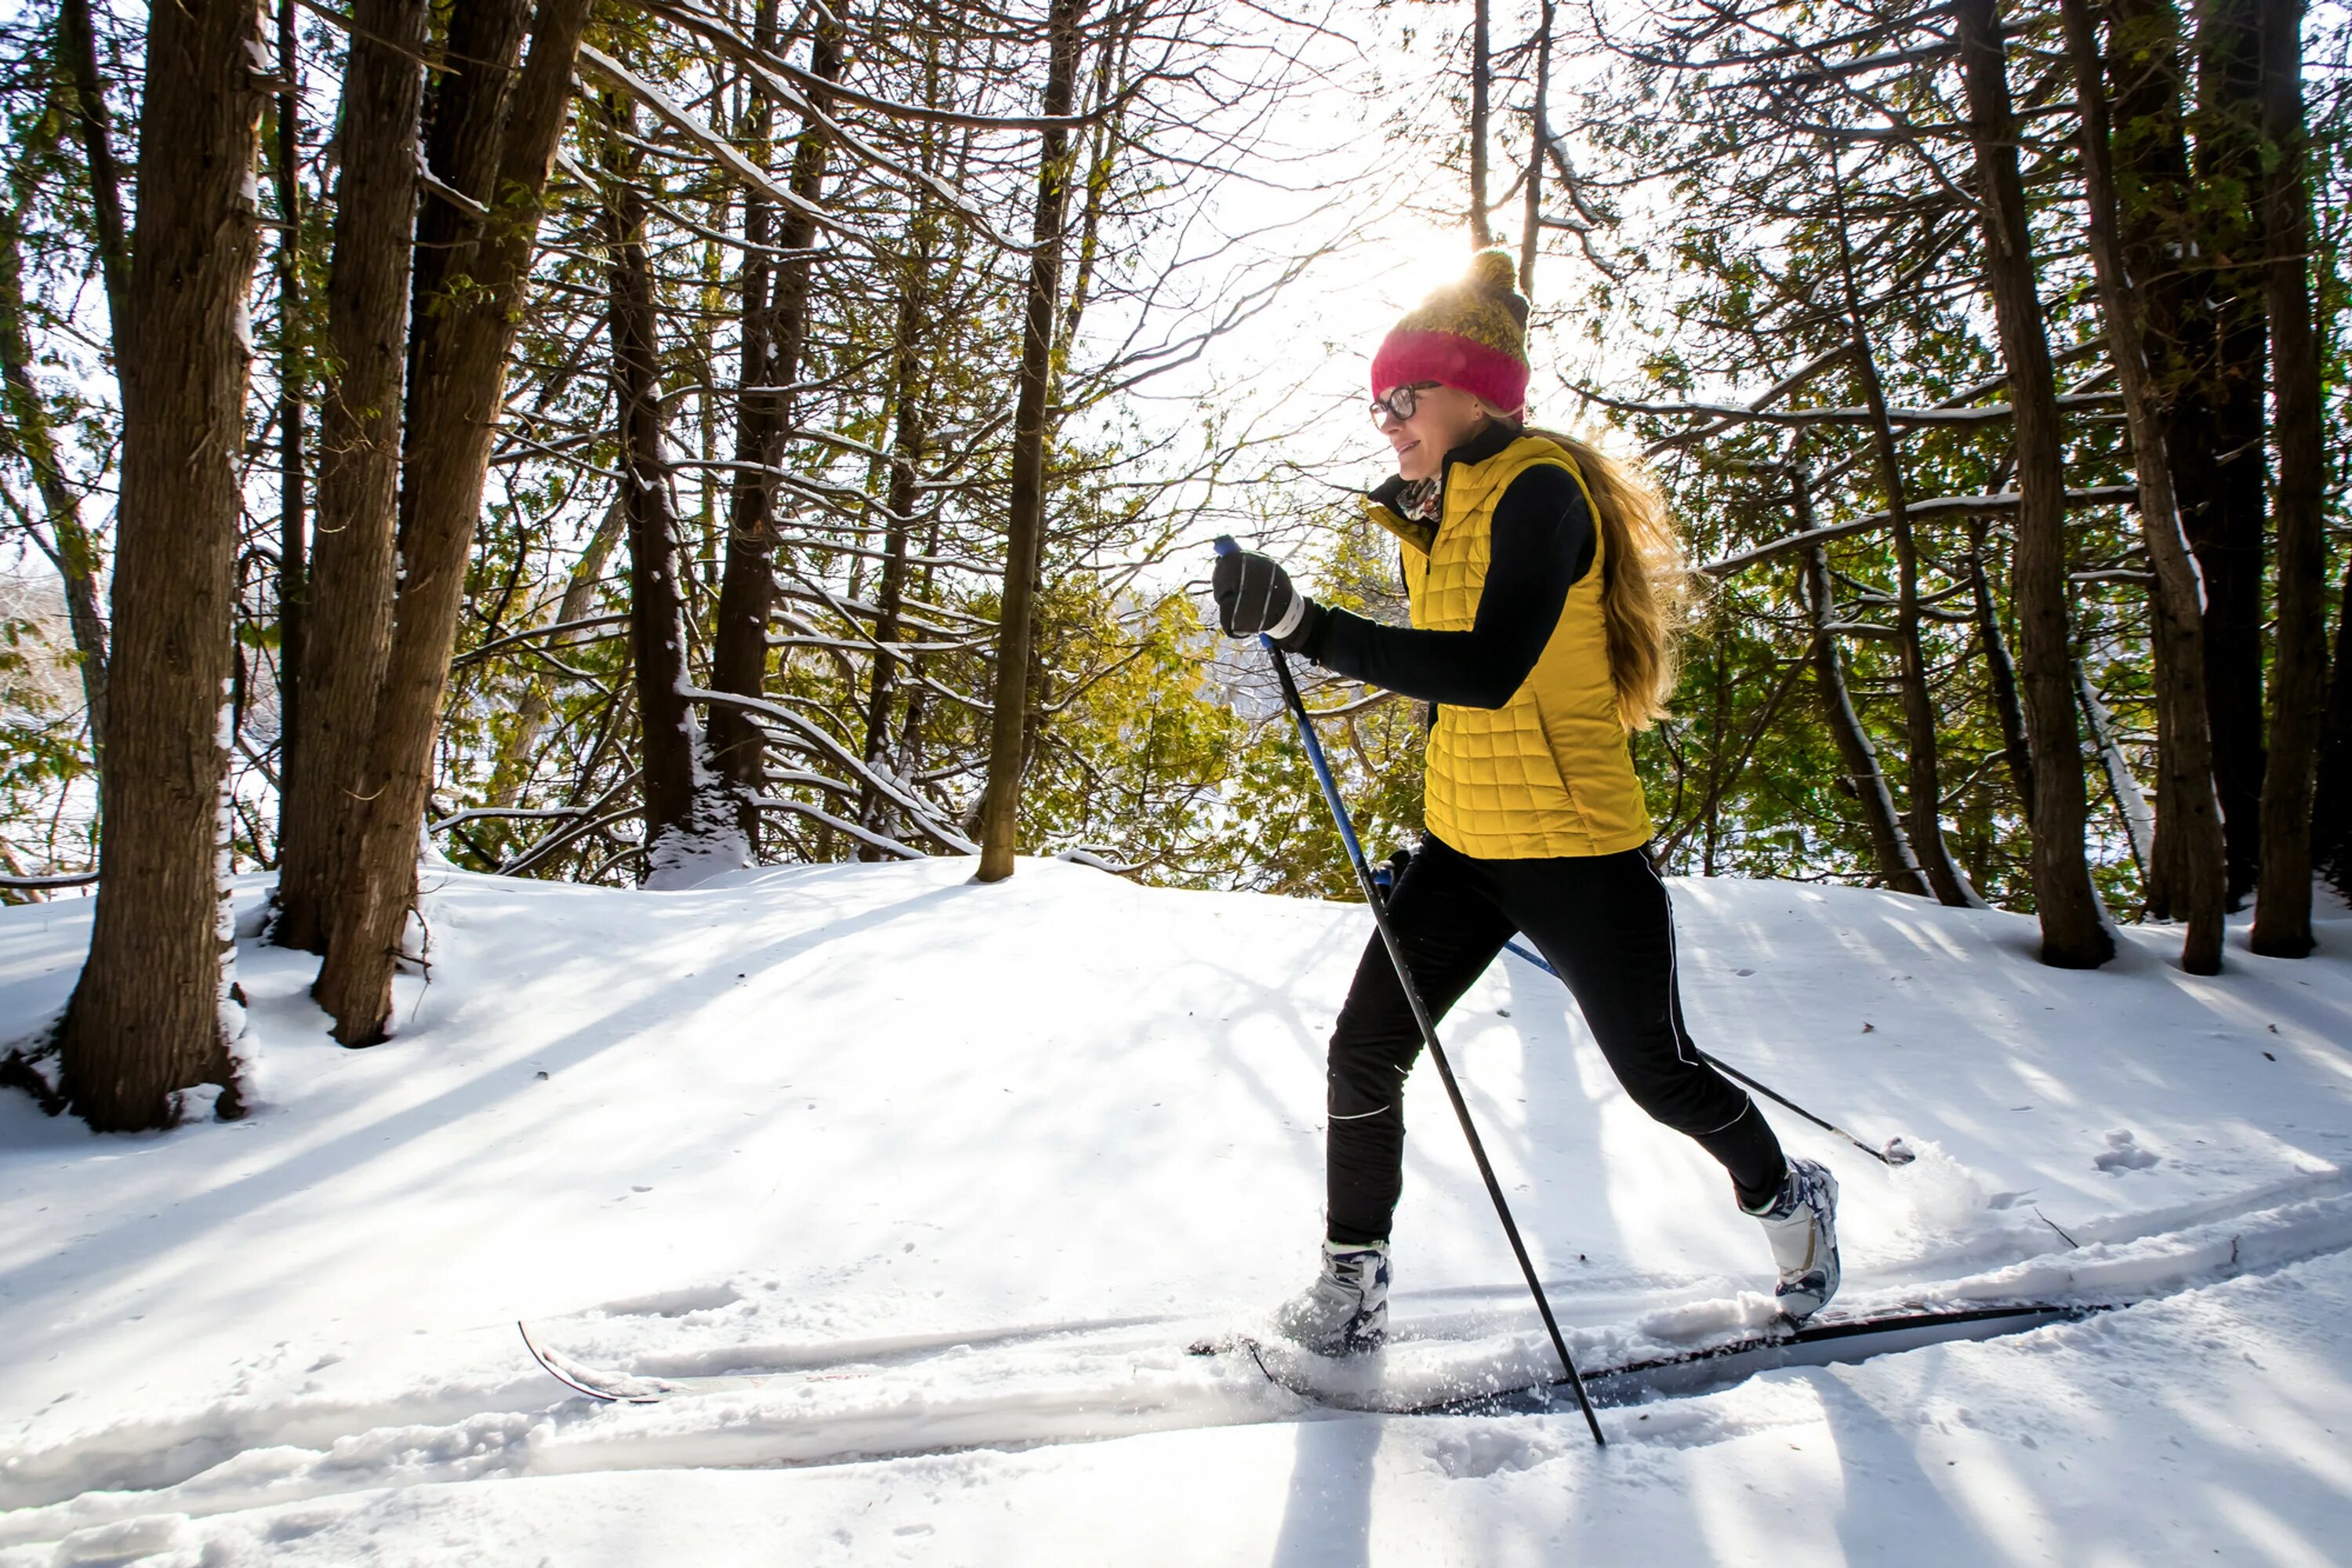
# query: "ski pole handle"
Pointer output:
{"type": "Point", "coordinates": [1226, 546]}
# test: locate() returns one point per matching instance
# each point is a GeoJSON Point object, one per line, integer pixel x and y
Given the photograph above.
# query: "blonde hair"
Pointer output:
{"type": "Point", "coordinates": [1645, 588]}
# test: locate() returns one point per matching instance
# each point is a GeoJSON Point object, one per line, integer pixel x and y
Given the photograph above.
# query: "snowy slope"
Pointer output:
{"type": "Point", "coordinates": [966, 1167]}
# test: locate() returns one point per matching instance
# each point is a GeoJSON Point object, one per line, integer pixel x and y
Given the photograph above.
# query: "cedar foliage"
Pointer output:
{"type": "Point", "coordinates": [801, 434]}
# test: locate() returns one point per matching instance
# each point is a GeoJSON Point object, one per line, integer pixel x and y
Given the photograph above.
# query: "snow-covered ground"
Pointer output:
{"type": "Point", "coordinates": [965, 1168]}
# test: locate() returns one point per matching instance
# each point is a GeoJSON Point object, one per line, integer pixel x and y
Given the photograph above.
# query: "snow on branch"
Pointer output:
{"type": "Point", "coordinates": [511, 638]}
{"type": "Point", "coordinates": [566, 837]}
{"type": "Point", "coordinates": [63, 879]}
{"type": "Point", "coordinates": [843, 825]}
{"type": "Point", "coordinates": [779, 77]}
{"type": "Point", "coordinates": [1769, 396]}
{"type": "Point", "coordinates": [1935, 505]}
{"type": "Point", "coordinates": [1081, 855]}
{"type": "Point", "coordinates": [696, 19]}
{"type": "Point", "coordinates": [478, 814]}
{"type": "Point", "coordinates": [918, 810]}
{"type": "Point", "coordinates": [1725, 414]}
{"type": "Point", "coordinates": [599, 63]}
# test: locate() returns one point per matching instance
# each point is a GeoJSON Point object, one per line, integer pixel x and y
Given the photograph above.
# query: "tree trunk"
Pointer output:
{"type": "Point", "coordinates": [1898, 868]}
{"type": "Point", "coordinates": [2191, 848]}
{"type": "Point", "coordinates": [2074, 933]}
{"type": "Point", "coordinates": [2331, 818]}
{"type": "Point", "coordinates": [2143, 76]}
{"type": "Point", "coordinates": [147, 1017]}
{"type": "Point", "coordinates": [657, 603]}
{"type": "Point", "coordinates": [1531, 213]}
{"type": "Point", "coordinates": [502, 153]}
{"type": "Point", "coordinates": [78, 52]}
{"type": "Point", "coordinates": [1026, 522]}
{"type": "Point", "coordinates": [350, 584]}
{"type": "Point", "coordinates": [906, 456]}
{"type": "Point", "coordinates": [907, 760]}
{"type": "Point", "coordinates": [1924, 771]}
{"type": "Point", "coordinates": [2224, 477]}
{"type": "Point", "coordinates": [2299, 651]}
{"type": "Point", "coordinates": [69, 546]}
{"type": "Point", "coordinates": [1482, 71]}
{"type": "Point", "coordinates": [2131, 805]}
{"type": "Point", "coordinates": [517, 750]}
{"type": "Point", "coordinates": [1923, 780]}
{"type": "Point", "coordinates": [2002, 674]}
{"type": "Point", "coordinates": [773, 332]}
{"type": "Point", "coordinates": [293, 360]}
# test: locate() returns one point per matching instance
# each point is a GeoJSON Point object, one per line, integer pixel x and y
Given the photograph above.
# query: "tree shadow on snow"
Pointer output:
{"type": "Point", "coordinates": [216, 1211]}
{"type": "Point", "coordinates": [1326, 1516]}
{"type": "Point", "coordinates": [1895, 1509]}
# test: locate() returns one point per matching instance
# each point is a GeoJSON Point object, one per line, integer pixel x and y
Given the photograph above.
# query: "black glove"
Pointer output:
{"type": "Point", "coordinates": [1254, 595]}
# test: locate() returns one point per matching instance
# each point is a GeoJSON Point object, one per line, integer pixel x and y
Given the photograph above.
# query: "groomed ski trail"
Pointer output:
{"type": "Point", "coordinates": [1026, 1388]}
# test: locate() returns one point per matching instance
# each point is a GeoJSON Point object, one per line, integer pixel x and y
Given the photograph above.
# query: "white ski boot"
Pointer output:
{"type": "Point", "coordinates": [1347, 1308]}
{"type": "Point", "coordinates": [1802, 1225]}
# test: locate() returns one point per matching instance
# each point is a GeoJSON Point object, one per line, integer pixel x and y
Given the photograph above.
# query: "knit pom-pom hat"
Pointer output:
{"type": "Point", "coordinates": [1471, 335]}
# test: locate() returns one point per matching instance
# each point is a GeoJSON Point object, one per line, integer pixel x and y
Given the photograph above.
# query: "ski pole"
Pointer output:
{"type": "Point", "coordinates": [1894, 1152]}
{"type": "Point", "coordinates": [1298, 706]}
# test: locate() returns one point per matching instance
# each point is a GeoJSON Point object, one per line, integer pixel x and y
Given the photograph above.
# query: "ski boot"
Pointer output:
{"type": "Point", "coordinates": [1801, 1221]}
{"type": "Point", "coordinates": [1347, 1308]}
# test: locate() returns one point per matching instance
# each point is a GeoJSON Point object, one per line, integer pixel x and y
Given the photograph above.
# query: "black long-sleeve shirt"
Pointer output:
{"type": "Point", "coordinates": [1541, 546]}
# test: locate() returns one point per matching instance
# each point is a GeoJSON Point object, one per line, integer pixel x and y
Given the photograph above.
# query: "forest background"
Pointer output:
{"type": "Point", "coordinates": [623, 442]}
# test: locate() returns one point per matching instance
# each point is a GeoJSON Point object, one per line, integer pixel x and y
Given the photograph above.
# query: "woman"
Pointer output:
{"type": "Point", "coordinates": [1540, 640]}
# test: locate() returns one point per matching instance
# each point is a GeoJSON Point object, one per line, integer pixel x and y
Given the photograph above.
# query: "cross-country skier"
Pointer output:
{"type": "Point", "coordinates": [1540, 637]}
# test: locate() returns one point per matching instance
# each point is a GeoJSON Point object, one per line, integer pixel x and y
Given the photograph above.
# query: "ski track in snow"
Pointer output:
{"type": "Point", "coordinates": [308, 1424]}
{"type": "Point", "coordinates": [1005, 1391]}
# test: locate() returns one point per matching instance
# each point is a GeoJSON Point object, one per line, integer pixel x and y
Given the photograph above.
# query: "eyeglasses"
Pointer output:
{"type": "Point", "coordinates": [1399, 404]}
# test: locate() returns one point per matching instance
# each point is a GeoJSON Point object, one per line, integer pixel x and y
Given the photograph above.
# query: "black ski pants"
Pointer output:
{"type": "Point", "coordinates": [1606, 923]}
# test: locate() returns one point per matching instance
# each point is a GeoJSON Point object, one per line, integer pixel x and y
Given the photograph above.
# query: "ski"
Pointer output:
{"type": "Point", "coordinates": [642, 1388]}
{"type": "Point", "coordinates": [1510, 1375]}
{"type": "Point", "coordinates": [1405, 1376]}
{"type": "Point", "coordinates": [1424, 1374]}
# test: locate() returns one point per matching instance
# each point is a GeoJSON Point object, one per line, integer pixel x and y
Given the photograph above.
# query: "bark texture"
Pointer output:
{"type": "Point", "coordinates": [1923, 780]}
{"type": "Point", "coordinates": [775, 326]}
{"type": "Point", "coordinates": [1531, 212]}
{"type": "Point", "coordinates": [1025, 520]}
{"type": "Point", "coordinates": [519, 746]}
{"type": "Point", "coordinates": [2331, 813]}
{"type": "Point", "coordinates": [1482, 71]}
{"type": "Point", "coordinates": [2074, 933]}
{"type": "Point", "coordinates": [898, 499]}
{"type": "Point", "coordinates": [2189, 817]}
{"type": "Point", "coordinates": [146, 1017]}
{"type": "Point", "coordinates": [66, 543]}
{"type": "Point", "coordinates": [293, 388]}
{"type": "Point", "coordinates": [2299, 649]}
{"type": "Point", "coordinates": [2219, 416]}
{"type": "Point", "coordinates": [496, 146]}
{"type": "Point", "coordinates": [350, 586]}
{"type": "Point", "coordinates": [2000, 671]}
{"type": "Point", "coordinates": [1898, 868]}
{"type": "Point", "coordinates": [94, 124]}
{"type": "Point", "coordinates": [657, 605]}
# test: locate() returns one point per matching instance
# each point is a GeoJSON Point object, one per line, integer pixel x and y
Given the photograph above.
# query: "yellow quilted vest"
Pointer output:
{"type": "Point", "coordinates": [1548, 774]}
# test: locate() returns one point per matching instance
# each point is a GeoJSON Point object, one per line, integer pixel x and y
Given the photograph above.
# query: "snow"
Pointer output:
{"type": "Point", "coordinates": [963, 1168]}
